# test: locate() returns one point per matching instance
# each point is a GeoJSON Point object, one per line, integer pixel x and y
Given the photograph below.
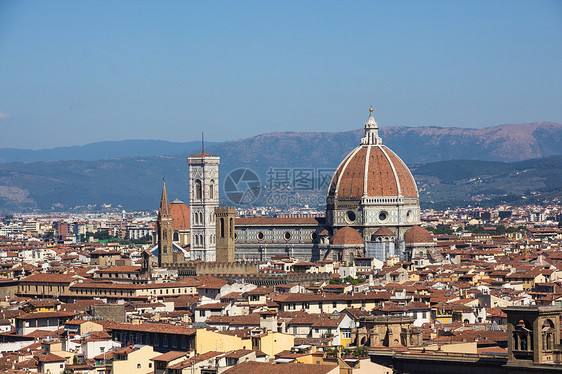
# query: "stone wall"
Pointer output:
{"type": "Point", "coordinates": [109, 312]}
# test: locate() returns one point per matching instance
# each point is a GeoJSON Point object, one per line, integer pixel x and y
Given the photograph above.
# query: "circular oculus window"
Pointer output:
{"type": "Point", "coordinates": [350, 215]}
{"type": "Point", "coordinates": [287, 235]}
{"type": "Point", "coordinates": [383, 216]}
{"type": "Point", "coordinates": [260, 235]}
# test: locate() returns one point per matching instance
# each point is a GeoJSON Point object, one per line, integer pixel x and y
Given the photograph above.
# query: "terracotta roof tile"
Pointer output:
{"type": "Point", "coordinates": [387, 175]}
{"type": "Point", "coordinates": [254, 367]}
{"type": "Point", "coordinates": [169, 356]}
{"type": "Point", "coordinates": [347, 236]}
{"type": "Point", "coordinates": [180, 216]}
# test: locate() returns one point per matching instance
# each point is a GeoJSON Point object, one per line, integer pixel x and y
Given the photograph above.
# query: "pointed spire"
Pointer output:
{"type": "Point", "coordinates": [164, 204]}
{"type": "Point", "coordinates": [371, 131]}
{"type": "Point", "coordinates": [202, 142]}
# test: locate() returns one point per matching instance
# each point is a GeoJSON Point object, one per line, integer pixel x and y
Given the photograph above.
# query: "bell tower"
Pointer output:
{"type": "Point", "coordinates": [225, 234]}
{"type": "Point", "coordinates": [533, 333]}
{"type": "Point", "coordinates": [203, 199]}
{"type": "Point", "coordinates": [165, 229]}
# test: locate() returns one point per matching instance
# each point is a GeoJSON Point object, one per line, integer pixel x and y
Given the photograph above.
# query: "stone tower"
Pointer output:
{"type": "Point", "coordinates": [225, 234]}
{"type": "Point", "coordinates": [203, 199]}
{"type": "Point", "coordinates": [164, 229]}
{"type": "Point", "coordinates": [533, 333]}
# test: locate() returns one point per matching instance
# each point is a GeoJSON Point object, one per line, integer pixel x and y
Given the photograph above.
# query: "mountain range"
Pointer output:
{"type": "Point", "coordinates": [99, 151]}
{"type": "Point", "coordinates": [453, 166]}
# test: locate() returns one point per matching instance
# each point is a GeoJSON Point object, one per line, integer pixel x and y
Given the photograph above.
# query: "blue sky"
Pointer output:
{"type": "Point", "coordinates": [75, 72]}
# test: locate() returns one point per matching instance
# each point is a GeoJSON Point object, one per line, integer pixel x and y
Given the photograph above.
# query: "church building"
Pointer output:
{"type": "Point", "coordinates": [371, 204]}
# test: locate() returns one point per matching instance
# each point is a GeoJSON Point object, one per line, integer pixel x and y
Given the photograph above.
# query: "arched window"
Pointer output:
{"type": "Point", "coordinates": [176, 237]}
{"type": "Point", "coordinates": [212, 189]}
{"type": "Point", "coordinates": [523, 335]}
{"type": "Point", "coordinates": [548, 331]}
{"type": "Point", "coordinates": [222, 227]}
{"type": "Point", "coordinates": [232, 228]}
{"type": "Point", "coordinates": [198, 190]}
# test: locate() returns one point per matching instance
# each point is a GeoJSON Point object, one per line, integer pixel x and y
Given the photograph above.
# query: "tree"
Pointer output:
{"type": "Point", "coordinates": [360, 351]}
{"type": "Point", "coordinates": [48, 235]}
{"type": "Point", "coordinates": [441, 230]}
{"type": "Point", "coordinates": [143, 240]}
{"type": "Point", "coordinates": [102, 235]}
{"type": "Point", "coordinates": [500, 230]}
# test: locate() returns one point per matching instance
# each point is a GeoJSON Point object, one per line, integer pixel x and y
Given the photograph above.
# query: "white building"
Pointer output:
{"type": "Point", "coordinates": [203, 199]}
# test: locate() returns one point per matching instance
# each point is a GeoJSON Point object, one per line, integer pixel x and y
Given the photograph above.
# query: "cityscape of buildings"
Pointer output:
{"type": "Point", "coordinates": [373, 284]}
{"type": "Point", "coordinates": [202, 187]}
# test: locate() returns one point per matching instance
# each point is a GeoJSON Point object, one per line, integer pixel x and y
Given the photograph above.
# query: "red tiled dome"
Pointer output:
{"type": "Point", "coordinates": [417, 234]}
{"type": "Point", "coordinates": [180, 215]}
{"type": "Point", "coordinates": [383, 231]}
{"type": "Point", "coordinates": [387, 175]}
{"type": "Point", "coordinates": [347, 235]}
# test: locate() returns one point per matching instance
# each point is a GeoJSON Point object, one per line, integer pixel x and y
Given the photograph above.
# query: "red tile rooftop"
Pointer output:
{"type": "Point", "coordinates": [194, 360]}
{"type": "Point", "coordinates": [49, 278]}
{"type": "Point", "coordinates": [153, 327]}
{"type": "Point", "coordinates": [49, 357]}
{"type": "Point", "coordinates": [120, 269]}
{"type": "Point", "coordinates": [243, 352]}
{"type": "Point", "coordinates": [38, 315]}
{"type": "Point", "coordinates": [253, 367]}
{"type": "Point", "coordinates": [169, 356]}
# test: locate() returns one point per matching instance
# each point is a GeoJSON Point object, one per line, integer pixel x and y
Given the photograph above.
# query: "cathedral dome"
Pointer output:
{"type": "Point", "coordinates": [347, 236]}
{"type": "Point", "coordinates": [372, 188]}
{"type": "Point", "coordinates": [417, 234]}
{"type": "Point", "coordinates": [372, 170]}
{"type": "Point", "coordinates": [180, 215]}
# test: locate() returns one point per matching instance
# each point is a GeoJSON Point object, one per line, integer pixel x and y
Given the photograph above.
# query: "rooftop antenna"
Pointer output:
{"type": "Point", "coordinates": [202, 142]}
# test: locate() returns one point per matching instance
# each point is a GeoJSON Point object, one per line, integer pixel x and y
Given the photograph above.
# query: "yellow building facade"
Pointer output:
{"type": "Point", "coordinates": [270, 343]}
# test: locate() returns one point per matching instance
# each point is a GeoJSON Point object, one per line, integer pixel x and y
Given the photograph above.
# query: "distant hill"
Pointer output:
{"type": "Point", "coordinates": [413, 144]}
{"type": "Point", "coordinates": [461, 182]}
{"type": "Point", "coordinates": [99, 151]}
{"type": "Point", "coordinates": [497, 143]}
{"type": "Point", "coordinates": [135, 182]}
